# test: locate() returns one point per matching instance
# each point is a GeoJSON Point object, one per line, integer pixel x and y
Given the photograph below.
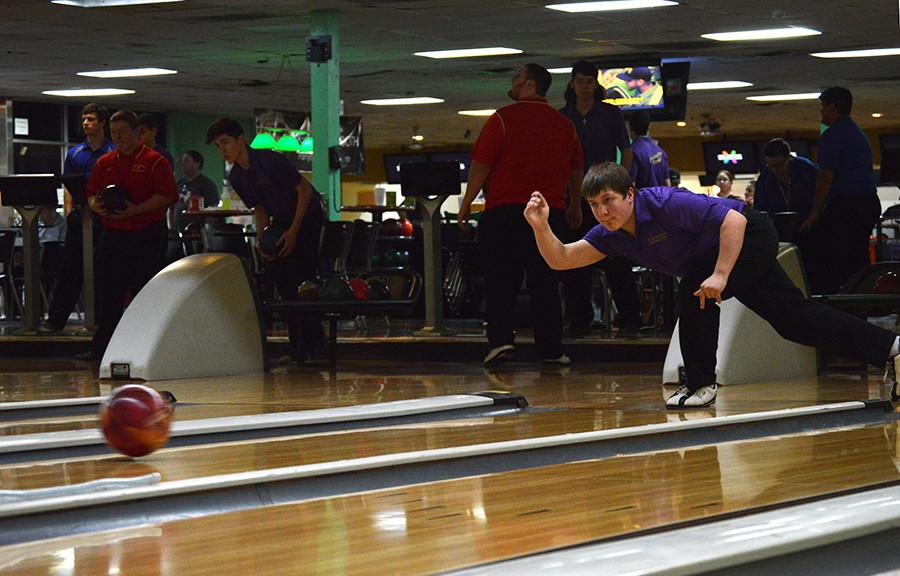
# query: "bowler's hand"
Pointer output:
{"type": "Point", "coordinates": [287, 242]}
{"type": "Point", "coordinates": [128, 212]}
{"type": "Point", "coordinates": [573, 216]}
{"type": "Point", "coordinates": [811, 220]}
{"type": "Point", "coordinates": [711, 288]}
{"type": "Point", "coordinates": [462, 217]}
{"type": "Point", "coordinates": [537, 211]}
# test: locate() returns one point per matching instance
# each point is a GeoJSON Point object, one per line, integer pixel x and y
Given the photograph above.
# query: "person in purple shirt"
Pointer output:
{"type": "Point", "coordinates": [720, 248]}
{"type": "Point", "coordinates": [281, 197]}
{"type": "Point", "coordinates": [649, 164]}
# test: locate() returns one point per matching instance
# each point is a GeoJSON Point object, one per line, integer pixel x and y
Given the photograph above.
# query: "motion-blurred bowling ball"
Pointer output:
{"type": "Point", "coordinates": [887, 283]}
{"type": "Point", "coordinates": [336, 289]}
{"type": "Point", "coordinates": [408, 228]}
{"type": "Point", "coordinates": [391, 227]}
{"type": "Point", "coordinates": [268, 241]}
{"type": "Point", "coordinates": [308, 290]}
{"type": "Point", "coordinates": [135, 420]}
{"type": "Point", "coordinates": [114, 199]}
{"type": "Point", "coordinates": [360, 289]}
{"type": "Point", "coordinates": [378, 290]}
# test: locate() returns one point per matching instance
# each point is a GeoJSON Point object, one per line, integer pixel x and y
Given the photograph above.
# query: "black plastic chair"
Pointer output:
{"type": "Point", "coordinates": [334, 248]}
{"type": "Point", "coordinates": [362, 247]}
{"type": "Point", "coordinates": [7, 280]}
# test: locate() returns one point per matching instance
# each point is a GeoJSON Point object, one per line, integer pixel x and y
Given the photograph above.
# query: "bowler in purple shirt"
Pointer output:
{"type": "Point", "coordinates": [720, 249]}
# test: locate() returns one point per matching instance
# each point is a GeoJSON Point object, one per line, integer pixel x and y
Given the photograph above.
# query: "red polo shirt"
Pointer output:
{"type": "Point", "coordinates": [142, 174]}
{"type": "Point", "coordinates": [529, 146]}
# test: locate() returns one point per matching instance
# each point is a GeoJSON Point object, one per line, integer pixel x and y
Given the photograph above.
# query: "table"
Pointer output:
{"type": "Point", "coordinates": [377, 211]}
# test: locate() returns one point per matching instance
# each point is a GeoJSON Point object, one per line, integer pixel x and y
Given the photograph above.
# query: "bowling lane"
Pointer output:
{"type": "Point", "coordinates": [428, 528]}
{"type": "Point", "coordinates": [613, 390]}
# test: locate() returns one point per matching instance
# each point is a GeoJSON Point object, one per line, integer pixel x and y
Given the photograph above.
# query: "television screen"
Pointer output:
{"type": "Point", "coordinates": [738, 157]}
{"type": "Point", "coordinates": [392, 164]}
{"type": "Point", "coordinates": [430, 178]}
{"type": "Point", "coordinates": [462, 157]}
{"type": "Point", "coordinates": [890, 166]}
{"type": "Point", "coordinates": [633, 87]}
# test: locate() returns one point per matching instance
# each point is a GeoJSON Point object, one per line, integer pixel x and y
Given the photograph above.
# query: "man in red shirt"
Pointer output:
{"type": "Point", "coordinates": [131, 247]}
{"type": "Point", "coordinates": [523, 147]}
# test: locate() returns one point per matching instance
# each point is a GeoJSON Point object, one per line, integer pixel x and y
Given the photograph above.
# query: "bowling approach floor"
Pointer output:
{"type": "Point", "coordinates": [426, 527]}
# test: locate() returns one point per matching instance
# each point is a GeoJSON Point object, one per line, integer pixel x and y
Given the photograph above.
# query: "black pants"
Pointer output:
{"type": "Point", "coordinates": [126, 261]}
{"type": "Point", "coordinates": [759, 282]}
{"type": "Point", "coordinates": [840, 242]}
{"type": "Point", "coordinates": [305, 334]}
{"type": "Point", "coordinates": [70, 277]}
{"type": "Point", "coordinates": [577, 283]}
{"type": "Point", "coordinates": [509, 251]}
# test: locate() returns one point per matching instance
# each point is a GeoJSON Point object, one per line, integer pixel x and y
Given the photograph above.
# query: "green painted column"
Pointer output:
{"type": "Point", "coordinates": [325, 96]}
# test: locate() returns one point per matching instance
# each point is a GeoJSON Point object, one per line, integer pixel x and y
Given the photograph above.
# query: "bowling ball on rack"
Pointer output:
{"type": "Point", "coordinates": [114, 198]}
{"type": "Point", "coordinates": [396, 258]}
{"type": "Point", "coordinates": [378, 290]}
{"type": "Point", "coordinates": [268, 240]}
{"type": "Point", "coordinates": [360, 289]}
{"type": "Point", "coordinates": [408, 228]}
{"type": "Point", "coordinates": [308, 290]}
{"type": "Point", "coordinates": [336, 288]}
{"type": "Point", "coordinates": [135, 419]}
{"type": "Point", "coordinates": [887, 283]}
{"type": "Point", "coordinates": [391, 227]}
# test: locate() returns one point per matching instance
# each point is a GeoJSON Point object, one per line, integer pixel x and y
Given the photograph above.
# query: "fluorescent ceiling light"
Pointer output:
{"type": "Point", "coordinates": [469, 52]}
{"type": "Point", "coordinates": [402, 101]}
{"type": "Point", "coordinates": [717, 85]}
{"type": "Point", "coordinates": [610, 5]}
{"type": "Point", "coordinates": [106, 3]}
{"type": "Point", "coordinates": [777, 97]}
{"type": "Point", "coordinates": [127, 73]}
{"type": "Point", "coordinates": [770, 34]}
{"type": "Point", "coordinates": [560, 70]}
{"type": "Point", "coordinates": [681, 123]}
{"type": "Point", "coordinates": [877, 115]}
{"type": "Point", "coordinates": [486, 112]}
{"type": "Point", "coordinates": [79, 92]}
{"type": "Point", "coordinates": [859, 53]}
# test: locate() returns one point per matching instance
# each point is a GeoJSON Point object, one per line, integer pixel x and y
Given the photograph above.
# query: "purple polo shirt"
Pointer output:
{"type": "Point", "coordinates": [270, 181]}
{"type": "Point", "coordinates": [674, 228]}
{"type": "Point", "coordinates": [650, 166]}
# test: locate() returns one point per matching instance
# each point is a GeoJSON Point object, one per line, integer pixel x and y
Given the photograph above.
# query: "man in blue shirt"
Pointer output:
{"type": "Point", "coordinates": [721, 249]}
{"type": "Point", "coordinates": [603, 135]}
{"type": "Point", "coordinates": [846, 206]}
{"type": "Point", "coordinates": [80, 159]}
{"type": "Point", "coordinates": [267, 182]}
{"type": "Point", "coordinates": [649, 164]}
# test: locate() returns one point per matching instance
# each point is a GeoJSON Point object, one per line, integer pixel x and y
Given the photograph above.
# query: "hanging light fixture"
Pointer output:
{"type": "Point", "coordinates": [263, 141]}
{"type": "Point", "coordinates": [306, 147]}
{"type": "Point", "coordinates": [288, 143]}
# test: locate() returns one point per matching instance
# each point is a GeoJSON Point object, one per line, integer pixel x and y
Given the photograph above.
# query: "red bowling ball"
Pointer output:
{"type": "Point", "coordinates": [408, 228]}
{"type": "Point", "coordinates": [135, 420]}
{"type": "Point", "coordinates": [360, 289]}
{"type": "Point", "coordinates": [888, 283]}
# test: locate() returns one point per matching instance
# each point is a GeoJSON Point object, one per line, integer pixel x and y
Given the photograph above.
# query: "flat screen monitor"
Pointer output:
{"type": "Point", "coordinates": [738, 157]}
{"type": "Point", "coordinates": [392, 163]}
{"type": "Point", "coordinates": [633, 87]}
{"type": "Point", "coordinates": [463, 158]}
{"type": "Point", "coordinates": [890, 166]}
{"type": "Point", "coordinates": [28, 190]}
{"type": "Point", "coordinates": [430, 178]}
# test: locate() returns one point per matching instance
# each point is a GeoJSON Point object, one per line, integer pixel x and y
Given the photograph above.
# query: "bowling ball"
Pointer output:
{"type": "Point", "coordinates": [887, 283]}
{"type": "Point", "coordinates": [391, 227]}
{"type": "Point", "coordinates": [396, 258]}
{"type": "Point", "coordinates": [114, 199]}
{"type": "Point", "coordinates": [408, 228]}
{"type": "Point", "coordinates": [135, 420]}
{"type": "Point", "coordinates": [268, 241]}
{"type": "Point", "coordinates": [378, 290]}
{"type": "Point", "coordinates": [308, 290]}
{"type": "Point", "coordinates": [360, 289]}
{"type": "Point", "coordinates": [336, 289]}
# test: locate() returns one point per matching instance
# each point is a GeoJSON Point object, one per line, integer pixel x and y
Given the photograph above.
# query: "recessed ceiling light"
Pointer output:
{"type": "Point", "coordinates": [486, 112]}
{"type": "Point", "coordinates": [769, 34]}
{"type": "Point", "coordinates": [560, 70]}
{"type": "Point", "coordinates": [872, 53]}
{"type": "Point", "coordinates": [469, 52]}
{"type": "Point", "coordinates": [777, 97]}
{"type": "Point", "coordinates": [681, 124]}
{"type": "Point", "coordinates": [128, 73]}
{"type": "Point", "coordinates": [877, 114]}
{"type": "Point", "coordinates": [610, 5]}
{"type": "Point", "coordinates": [402, 101]}
{"type": "Point", "coordinates": [106, 3]}
{"type": "Point", "coordinates": [717, 85]}
{"type": "Point", "coordinates": [418, 137]}
{"type": "Point", "coordinates": [84, 92]}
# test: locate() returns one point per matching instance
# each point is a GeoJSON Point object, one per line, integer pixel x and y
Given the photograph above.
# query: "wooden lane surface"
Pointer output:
{"type": "Point", "coordinates": [440, 526]}
{"type": "Point", "coordinates": [614, 389]}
